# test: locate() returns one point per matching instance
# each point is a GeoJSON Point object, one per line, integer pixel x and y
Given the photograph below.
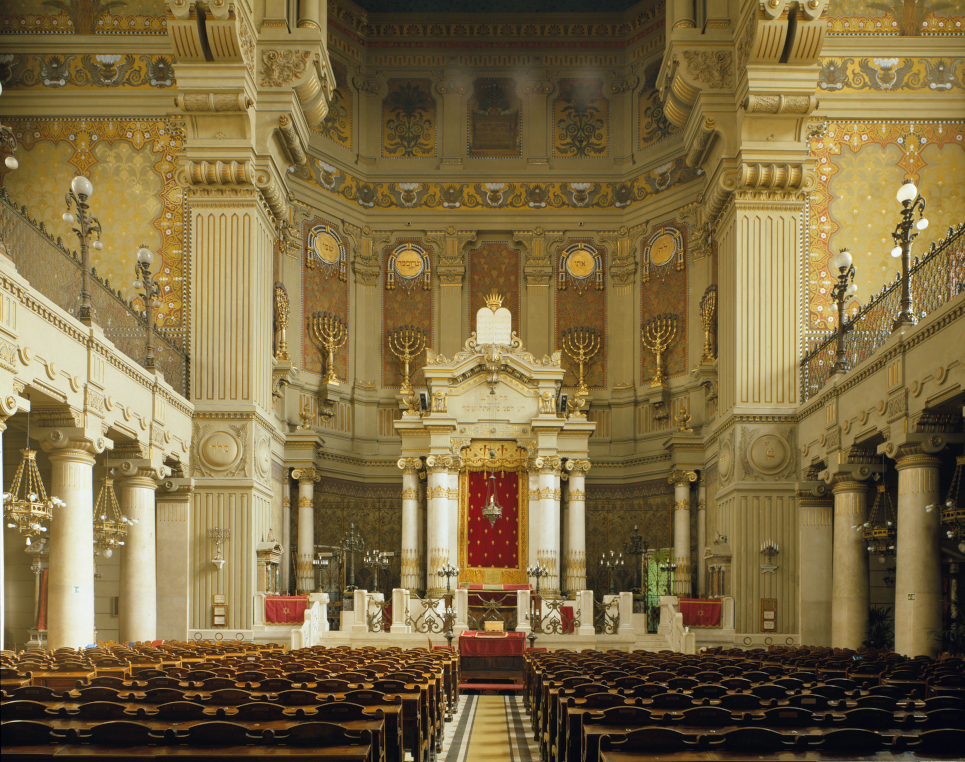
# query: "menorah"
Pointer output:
{"type": "Point", "coordinates": [329, 333]}
{"type": "Point", "coordinates": [406, 343]}
{"type": "Point", "coordinates": [656, 336]}
{"type": "Point", "coordinates": [581, 343]}
{"type": "Point", "coordinates": [708, 312]}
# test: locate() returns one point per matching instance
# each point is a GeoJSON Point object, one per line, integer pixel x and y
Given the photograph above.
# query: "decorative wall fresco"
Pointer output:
{"type": "Point", "coordinates": [502, 195]}
{"type": "Point", "coordinates": [654, 125]}
{"type": "Point", "coordinates": [131, 163]}
{"type": "Point", "coordinates": [80, 72]}
{"type": "Point", "coordinates": [494, 120]}
{"type": "Point", "coordinates": [324, 289]}
{"type": "Point", "coordinates": [84, 17]}
{"type": "Point", "coordinates": [580, 119]}
{"type": "Point", "coordinates": [663, 289]}
{"type": "Point", "coordinates": [405, 307]}
{"type": "Point", "coordinates": [494, 268]}
{"type": "Point", "coordinates": [612, 512]}
{"type": "Point", "coordinates": [581, 303]}
{"type": "Point", "coordinates": [846, 75]}
{"type": "Point", "coordinates": [860, 167]}
{"type": "Point", "coordinates": [905, 18]}
{"type": "Point", "coordinates": [409, 120]}
{"type": "Point", "coordinates": [337, 125]}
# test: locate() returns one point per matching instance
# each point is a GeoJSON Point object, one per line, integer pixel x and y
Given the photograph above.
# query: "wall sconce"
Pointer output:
{"type": "Point", "coordinates": [769, 550]}
{"type": "Point", "coordinates": [219, 536]}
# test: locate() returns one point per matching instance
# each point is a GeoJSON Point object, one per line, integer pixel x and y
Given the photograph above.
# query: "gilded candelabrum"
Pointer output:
{"type": "Point", "coordinates": [81, 189]}
{"type": "Point", "coordinates": [581, 344]}
{"type": "Point", "coordinates": [330, 333]}
{"type": "Point", "coordinates": [150, 291]}
{"type": "Point", "coordinates": [842, 292]}
{"type": "Point", "coordinates": [282, 313]}
{"type": "Point", "coordinates": [905, 233]}
{"type": "Point", "coordinates": [656, 335]}
{"type": "Point", "coordinates": [708, 316]}
{"type": "Point", "coordinates": [406, 343]}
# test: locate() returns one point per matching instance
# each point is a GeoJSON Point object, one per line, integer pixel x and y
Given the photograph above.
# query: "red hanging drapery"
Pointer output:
{"type": "Point", "coordinates": [285, 609]}
{"type": "Point", "coordinates": [493, 546]}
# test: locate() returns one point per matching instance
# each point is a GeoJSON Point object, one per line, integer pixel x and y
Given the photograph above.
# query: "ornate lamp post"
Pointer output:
{"type": "Point", "coordinates": [81, 189]}
{"type": "Point", "coordinates": [668, 568]}
{"type": "Point", "coordinates": [377, 560]}
{"type": "Point", "coordinates": [448, 571]}
{"type": "Point", "coordinates": [903, 236]}
{"type": "Point", "coordinates": [539, 571]}
{"type": "Point", "coordinates": [150, 292]}
{"type": "Point", "coordinates": [610, 564]}
{"type": "Point", "coordinates": [351, 544]}
{"type": "Point", "coordinates": [842, 292]}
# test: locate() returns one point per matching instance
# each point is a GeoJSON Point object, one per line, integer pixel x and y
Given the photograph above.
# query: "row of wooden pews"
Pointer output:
{"type": "Point", "coordinates": [226, 700]}
{"type": "Point", "coordinates": [809, 703]}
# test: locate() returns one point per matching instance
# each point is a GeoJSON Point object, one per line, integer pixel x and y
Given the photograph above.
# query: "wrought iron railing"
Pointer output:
{"type": "Point", "coordinates": [378, 615]}
{"type": "Point", "coordinates": [492, 609]}
{"type": "Point", "coordinates": [432, 616]}
{"type": "Point", "coordinates": [55, 272]}
{"type": "Point", "coordinates": [606, 616]}
{"type": "Point", "coordinates": [548, 617]}
{"type": "Point", "coordinates": [933, 279]}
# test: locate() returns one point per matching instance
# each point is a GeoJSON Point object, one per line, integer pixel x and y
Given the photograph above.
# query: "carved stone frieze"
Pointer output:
{"type": "Point", "coordinates": [280, 67]}
{"type": "Point", "coordinates": [711, 68]}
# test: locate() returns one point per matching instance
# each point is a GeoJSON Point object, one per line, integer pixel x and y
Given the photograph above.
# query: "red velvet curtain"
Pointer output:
{"type": "Point", "coordinates": [493, 546]}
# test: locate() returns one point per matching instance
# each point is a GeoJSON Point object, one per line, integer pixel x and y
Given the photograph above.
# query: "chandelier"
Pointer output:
{"type": "Point", "coordinates": [879, 530]}
{"type": "Point", "coordinates": [110, 525]}
{"type": "Point", "coordinates": [953, 514]}
{"type": "Point", "coordinates": [26, 506]}
{"type": "Point", "coordinates": [491, 509]}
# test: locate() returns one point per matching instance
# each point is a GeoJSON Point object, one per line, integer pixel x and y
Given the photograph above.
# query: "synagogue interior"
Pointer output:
{"type": "Point", "coordinates": [409, 380]}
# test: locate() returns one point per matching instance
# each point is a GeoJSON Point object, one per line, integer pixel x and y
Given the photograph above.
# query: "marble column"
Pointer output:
{"type": "Point", "coordinates": [849, 581]}
{"type": "Point", "coordinates": [173, 506]}
{"type": "Point", "coordinates": [70, 581]}
{"type": "Point", "coordinates": [137, 607]}
{"type": "Point", "coordinates": [410, 523]}
{"type": "Point", "coordinates": [305, 579]}
{"type": "Point", "coordinates": [535, 519]}
{"type": "Point", "coordinates": [576, 527]}
{"type": "Point", "coordinates": [548, 551]}
{"type": "Point", "coordinates": [437, 525]}
{"type": "Point", "coordinates": [815, 559]}
{"type": "Point", "coordinates": [453, 518]}
{"type": "Point", "coordinates": [681, 481]}
{"type": "Point", "coordinates": [701, 538]}
{"type": "Point", "coordinates": [918, 577]}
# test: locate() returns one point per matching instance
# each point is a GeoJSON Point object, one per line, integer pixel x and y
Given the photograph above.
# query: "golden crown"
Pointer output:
{"type": "Point", "coordinates": [494, 301]}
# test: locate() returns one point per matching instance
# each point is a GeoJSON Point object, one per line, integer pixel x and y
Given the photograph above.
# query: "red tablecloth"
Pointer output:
{"type": "Point", "coordinates": [701, 612]}
{"type": "Point", "coordinates": [285, 609]}
{"type": "Point", "coordinates": [474, 643]}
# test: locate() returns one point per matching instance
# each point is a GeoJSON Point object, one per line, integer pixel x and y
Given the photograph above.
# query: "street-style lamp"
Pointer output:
{"type": "Point", "coordinates": [911, 202]}
{"type": "Point", "coordinates": [150, 290]}
{"type": "Point", "coordinates": [842, 293]}
{"type": "Point", "coordinates": [81, 189]}
{"type": "Point", "coordinates": [448, 571]}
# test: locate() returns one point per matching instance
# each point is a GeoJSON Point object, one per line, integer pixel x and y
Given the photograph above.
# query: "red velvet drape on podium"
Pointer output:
{"type": "Point", "coordinates": [493, 546]}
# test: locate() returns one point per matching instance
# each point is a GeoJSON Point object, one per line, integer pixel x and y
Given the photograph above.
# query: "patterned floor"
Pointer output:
{"type": "Point", "coordinates": [488, 728]}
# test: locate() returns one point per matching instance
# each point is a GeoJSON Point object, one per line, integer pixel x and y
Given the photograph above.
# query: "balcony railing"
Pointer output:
{"type": "Point", "coordinates": [933, 279]}
{"type": "Point", "coordinates": [55, 272]}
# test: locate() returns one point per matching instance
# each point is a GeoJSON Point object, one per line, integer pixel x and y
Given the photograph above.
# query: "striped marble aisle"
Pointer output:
{"type": "Point", "coordinates": [455, 741]}
{"type": "Point", "coordinates": [521, 744]}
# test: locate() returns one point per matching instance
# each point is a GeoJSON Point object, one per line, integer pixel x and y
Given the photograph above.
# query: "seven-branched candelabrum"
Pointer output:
{"type": "Point", "coordinates": [406, 342]}
{"type": "Point", "coordinates": [581, 344]}
{"type": "Point", "coordinates": [656, 335]}
{"type": "Point", "coordinates": [330, 333]}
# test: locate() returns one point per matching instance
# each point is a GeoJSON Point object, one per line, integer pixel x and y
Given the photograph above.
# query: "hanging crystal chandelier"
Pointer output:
{"type": "Point", "coordinates": [110, 525]}
{"type": "Point", "coordinates": [491, 509]}
{"type": "Point", "coordinates": [880, 530]}
{"type": "Point", "coordinates": [26, 506]}
{"type": "Point", "coordinates": [953, 513]}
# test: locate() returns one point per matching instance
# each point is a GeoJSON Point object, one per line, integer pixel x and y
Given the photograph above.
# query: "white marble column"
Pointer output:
{"type": "Point", "coordinates": [535, 508]}
{"type": "Point", "coordinates": [701, 537]}
{"type": "Point", "coordinates": [849, 580]}
{"type": "Point", "coordinates": [437, 524]}
{"type": "Point", "coordinates": [681, 481]}
{"type": "Point", "coordinates": [576, 526]}
{"type": "Point", "coordinates": [453, 518]}
{"type": "Point", "coordinates": [918, 577]}
{"type": "Point", "coordinates": [815, 562]}
{"type": "Point", "coordinates": [411, 562]}
{"type": "Point", "coordinates": [137, 607]}
{"type": "Point", "coordinates": [305, 579]}
{"type": "Point", "coordinates": [70, 581]}
{"type": "Point", "coordinates": [548, 551]}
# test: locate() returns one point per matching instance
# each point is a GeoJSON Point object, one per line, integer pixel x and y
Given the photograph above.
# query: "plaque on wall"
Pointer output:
{"type": "Point", "coordinates": [768, 614]}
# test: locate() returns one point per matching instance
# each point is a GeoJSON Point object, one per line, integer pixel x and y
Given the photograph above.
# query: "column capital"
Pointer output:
{"type": "Point", "coordinates": [578, 465]}
{"type": "Point", "coordinates": [849, 485]}
{"type": "Point", "coordinates": [410, 465]}
{"type": "Point", "coordinates": [682, 478]}
{"type": "Point", "coordinates": [914, 458]}
{"type": "Point", "coordinates": [131, 469]}
{"type": "Point", "coordinates": [306, 475]}
{"type": "Point", "coordinates": [813, 493]}
{"type": "Point", "coordinates": [176, 489]}
{"type": "Point", "coordinates": [73, 444]}
{"type": "Point", "coordinates": [436, 464]}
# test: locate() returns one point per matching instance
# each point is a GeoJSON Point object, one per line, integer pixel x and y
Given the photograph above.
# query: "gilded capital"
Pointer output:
{"type": "Point", "coordinates": [409, 465]}
{"type": "Point", "coordinates": [680, 478]}
{"type": "Point", "coordinates": [306, 475]}
{"type": "Point", "coordinates": [578, 465]}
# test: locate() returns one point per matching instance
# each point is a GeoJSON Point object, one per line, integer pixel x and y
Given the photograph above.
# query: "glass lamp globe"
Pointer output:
{"type": "Point", "coordinates": [82, 186]}
{"type": "Point", "coordinates": [144, 256]}
{"type": "Point", "coordinates": [907, 192]}
{"type": "Point", "coordinates": [896, 252]}
{"type": "Point", "coordinates": [98, 245]}
{"type": "Point", "coordinates": [108, 553]}
{"type": "Point", "coordinates": [68, 218]}
{"type": "Point", "coordinates": [922, 223]}
{"type": "Point", "coordinates": [842, 260]}
{"type": "Point", "coordinates": [11, 162]}
{"type": "Point", "coordinates": [852, 289]}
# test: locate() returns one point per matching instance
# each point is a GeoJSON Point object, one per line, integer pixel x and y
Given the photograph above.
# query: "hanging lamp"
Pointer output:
{"type": "Point", "coordinates": [110, 525]}
{"type": "Point", "coordinates": [491, 509]}
{"type": "Point", "coordinates": [953, 512]}
{"type": "Point", "coordinates": [879, 530]}
{"type": "Point", "coordinates": [26, 506]}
